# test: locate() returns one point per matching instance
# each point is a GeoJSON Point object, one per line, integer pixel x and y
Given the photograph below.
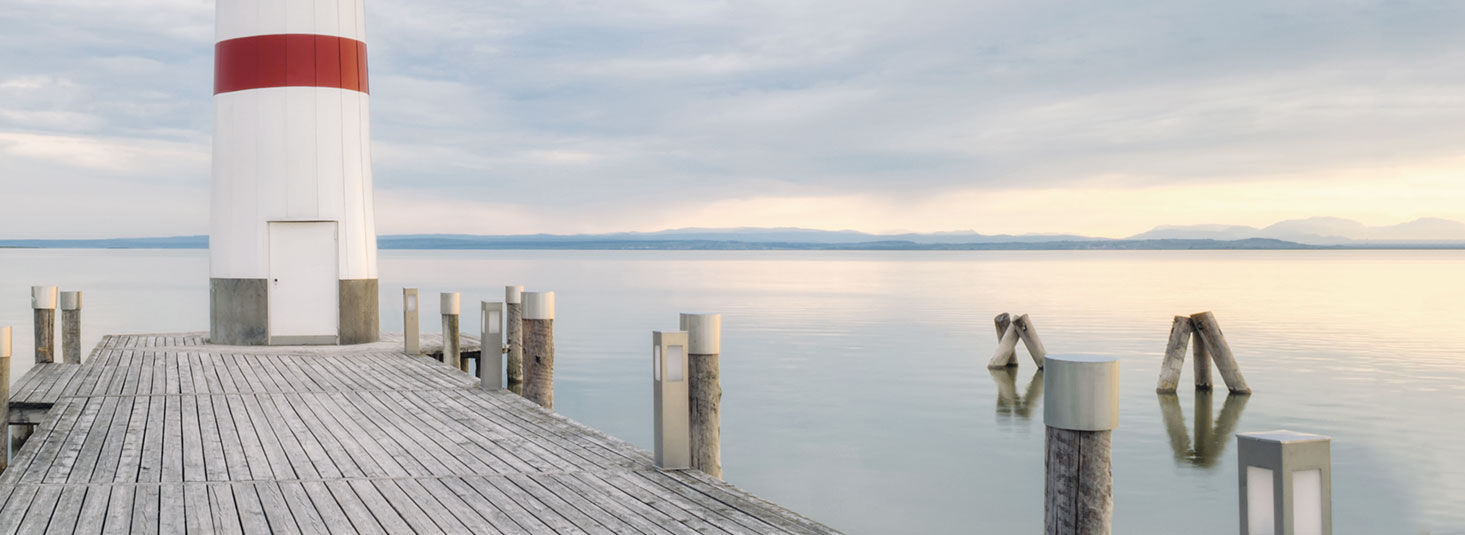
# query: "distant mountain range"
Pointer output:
{"type": "Point", "coordinates": [1324, 231]}
{"type": "Point", "coordinates": [1312, 233]}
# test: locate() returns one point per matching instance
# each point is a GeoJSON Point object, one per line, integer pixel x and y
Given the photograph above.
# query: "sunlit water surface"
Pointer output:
{"type": "Point", "coordinates": [855, 387]}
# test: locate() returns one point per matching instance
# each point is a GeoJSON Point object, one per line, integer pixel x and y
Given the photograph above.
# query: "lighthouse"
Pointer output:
{"type": "Point", "coordinates": [292, 237]}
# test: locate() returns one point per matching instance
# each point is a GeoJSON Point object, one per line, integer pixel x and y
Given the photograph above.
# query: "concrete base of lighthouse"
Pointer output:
{"type": "Point", "coordinates": [239, 312]}
{"type": "Point", "coordinates": [360, 316]}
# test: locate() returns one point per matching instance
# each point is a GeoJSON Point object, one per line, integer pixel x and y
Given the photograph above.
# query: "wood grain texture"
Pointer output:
{"type": "Point", "coordinates": [514, 338]}
{"type": "Point", "coordinates": [1078, 488]}
{"type": "Point", "coordinates": [705, 390]}
{"type": "Point", "coordinates": [161, 433]}
{"type": "Point", "coordinates": [1006, 353]}
{"type": "Point", "coordinates": [71, 336]}
{"type": "Point", "coordinates": [1180, 332]}
{"type": "Point", "coordinates": [1208, 330]}
{"type": "Point", "coordinates": [1200, 360]}
{"type": "Point", "coordinates": [45, 335]}
{"type": "Point", "coordinates": [1029, 336]}
{"type": "Point", "coordinates": [539, 362]}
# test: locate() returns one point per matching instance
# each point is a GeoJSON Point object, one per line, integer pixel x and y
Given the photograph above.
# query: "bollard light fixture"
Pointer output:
{"type": "Point", "coordinates": [491, 346]}
{"type": "Point", "coordinates": [672, 413]}
{"type": "Point", "coordinates": [411, 343]}
{"type": "Point", "coordinates": [1285, 483]}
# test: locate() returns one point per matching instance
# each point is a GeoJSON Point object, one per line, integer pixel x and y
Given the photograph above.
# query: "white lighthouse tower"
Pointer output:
{"type": "Point", "coordinates": [292, 238]}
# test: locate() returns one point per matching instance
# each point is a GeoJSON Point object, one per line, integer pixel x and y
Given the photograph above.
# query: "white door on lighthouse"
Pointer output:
{"type": "Point", "coordinates": [303, 285]}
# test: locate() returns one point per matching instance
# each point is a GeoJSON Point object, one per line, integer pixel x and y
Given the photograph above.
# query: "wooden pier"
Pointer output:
{"type": "Point", "coordinates": [166, 434]}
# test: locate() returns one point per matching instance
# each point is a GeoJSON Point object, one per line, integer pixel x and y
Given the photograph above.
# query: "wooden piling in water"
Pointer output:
{"type": "Point", "coordinates": [1001, 321]}
{"type": "Point", "coordinates": [4, 398]}
{"type": "Point", "coordinates": [1006, 353]}
{"type": "Point", "coordinates": [43, 302]}
{"type": "Point", "coordinates": [1180, 332]}
{"type": "Point", "coordinates": [411, 339]}
{"type": "Point", "coordinates": [1201, 359]}
{"type": "Point", "coordinates": [450, 310]}
{"type": "Point", "coordinates": [1208, 332]}
{"type": "Point", "coordinates": [514, 334]}
{"type": "Point", "coordinates": [71, 327]}
{"type": "Point", "coordinates": [1080, 411]}
{"type": "Point", "coordinates": [538, 312]}
{"type": "Point", "coordinates": [1030, 339]}
{"type": "Point", "coordinates": [704, 348]}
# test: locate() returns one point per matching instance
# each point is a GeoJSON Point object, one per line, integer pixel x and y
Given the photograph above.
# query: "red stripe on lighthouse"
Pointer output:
{"type": "Point", "coordinates": [289, 60]}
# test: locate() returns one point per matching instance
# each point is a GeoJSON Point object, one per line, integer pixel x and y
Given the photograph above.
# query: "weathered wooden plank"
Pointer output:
{"type": "Point", "coordinates": [302, 508]}
{"type": "Point", "coordinates": [609, 514]}
{"type": "Point", "coordinates": [277, 512]}
{"type": "Point", "coordinates": [93, 513]}
{"type": "Point", "coordinates": [197, 513]}
{"type": "Point", "coordinates": [145, 508]}
{"type": "Point", "coordinates": [119, 509]}
{"type": "Point", "coordinates": [224, 512]}
{"type": "Point", "coordinates": [362, 519]}
{"type": "Point", "coordinates": [67, 511]}
{"type": "Point", "coordinates": [41, 509]}
{"type": "Point", "coordinates": [171, 509]}
{"type": "Point", "coordinates": [251, 510]}
{"type": "Point", "coordinates": [15, 508]}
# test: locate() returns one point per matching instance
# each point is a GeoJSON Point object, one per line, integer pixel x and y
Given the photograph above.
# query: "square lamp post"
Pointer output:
{"type": "Point", "coordinates": [1285, 483]}
{"type": "Point", "coordinates": [671, 401]}
{"type": "Point", "coordinates": [491, 346]}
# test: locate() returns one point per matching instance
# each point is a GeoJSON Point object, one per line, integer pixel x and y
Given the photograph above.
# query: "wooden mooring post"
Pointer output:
{"type": "Point", "coordinates": [450, 310]}
{"type": "Point", "coordinates": [1010, 331]}
{"type": "Point", "coordinates": [1080, 411]}
{"type": "Point", "coordinates": [411, 339]}
{"type": "Point", "coordinates": [704, 348]}
{"type": "Point", "coordinates": [43, 302]}
{"type": "Point", "coordinates": [514, 333]}
{"type": "Point", "coordinates": [71, 327]}
{"type": "Point", "coordinates": [4, 397]}
{"type": "Point", "coordinates": [1203, 333]}
{"type": "Point", "coordinates": [539, 348]}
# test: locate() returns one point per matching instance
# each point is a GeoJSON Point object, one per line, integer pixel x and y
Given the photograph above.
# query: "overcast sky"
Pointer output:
{"type": "Point", "coordinates": [506, 116]}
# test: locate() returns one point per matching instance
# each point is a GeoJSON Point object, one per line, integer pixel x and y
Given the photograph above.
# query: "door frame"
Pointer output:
{"type": "Point", "coordinates": [294, 340]}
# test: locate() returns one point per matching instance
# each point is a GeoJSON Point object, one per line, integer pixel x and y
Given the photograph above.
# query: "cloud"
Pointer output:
{"type": "Point", "coordinates": [818, 113]}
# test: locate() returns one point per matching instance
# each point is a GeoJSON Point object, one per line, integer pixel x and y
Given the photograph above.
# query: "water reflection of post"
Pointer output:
{"type": "Point", "coordinates": [1174, 418]}
{"type": "Point", "coordinates": [1008, 402]}
{"type": "Point", "coordinates": [1211, 435]}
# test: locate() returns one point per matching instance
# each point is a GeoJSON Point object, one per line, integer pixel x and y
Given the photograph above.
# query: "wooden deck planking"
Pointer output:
{"type": "Point", "coordinates": [165, 434]}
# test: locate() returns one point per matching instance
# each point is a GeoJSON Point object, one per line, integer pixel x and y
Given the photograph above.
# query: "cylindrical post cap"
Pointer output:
{"type": "Point", "coordinates": [538, 305]}
{"type": "Point", "coordinates": [450, 303]}
{"type": "Point", "coordinates": [43, 297]}
{"type": "Point", "coordinates": [512, 294]}
{"type": "Point", "coordinates": [70, 300]}
{"type": "Point", "coordinates": [1081, 392]}
{"type": "Point", "coordinates": [4, 342]}
{"type": "Point", "coordinates": [704, 333]}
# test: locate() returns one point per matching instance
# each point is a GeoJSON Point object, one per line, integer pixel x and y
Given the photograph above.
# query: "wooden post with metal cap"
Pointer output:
{"type": "Point", "coordinates": [539, 348]}
{"type": "Point", "coordinates": [450, 309]}
{"type": "Point", "coordinates": [1080, 410]}
{"type": "Point", "coordinates": [71, 327]}
{"type": "Point", "coordinates": [43, 302]}
{"type": "Point", "coordinates": [704, 346]}
{"type": "Point", "coordinates": [514, 332]}
{"type": "Point", "coordinates": [4, 397]}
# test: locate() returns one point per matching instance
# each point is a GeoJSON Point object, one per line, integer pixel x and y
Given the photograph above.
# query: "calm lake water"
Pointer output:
{"type": "Point", "coordinates": [855, 386]}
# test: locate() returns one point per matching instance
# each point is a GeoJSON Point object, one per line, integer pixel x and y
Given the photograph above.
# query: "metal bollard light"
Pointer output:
{"type": "Point", "coordinates": [491, 346]}
{"type": "Point", "coordinates": [411, 340]}
{"type": "Point", "coordinates": [1286, 483]}
{"type": "Point", "coordinates": [671, 418]}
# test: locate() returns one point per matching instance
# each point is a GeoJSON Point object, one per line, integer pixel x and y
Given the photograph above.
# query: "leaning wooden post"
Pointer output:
{"type": "Point", "coordinates": [1001, 322]}
{"type": "Point", "coordinates": [704, 346]}
{"type": "Point", "coordinates": [450, 310]}
{"type": "Point", "coordinates": [491, 346]}
{"type": "Point", "coordinates": [670, 419]}
{"type": "Point", "coordinates": [1029, 337]}
{"type": "Point", "coordinates": [412, 343]}
{"type": "Point", "coordinates": [539, 348]}
{"type": "Point", "coordinates": [1006, 354]}
{"type": "Point", "coordinates": [43, 301]}
{"type": "Point", "coordinates": [1201, 359]}
{"type": "Point", "coordinates": [514, 331]}
{"type": "Point", "coordinates": [1174, 356]}
{"type": "Point", "coordinates": [1080, 410]}
{"type": "Point", "coordinates": [71, 327]}
{"type": "Point", "coordinates": [1208, 330]}
{"type": "Point", "coordinates": [4, 398]}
